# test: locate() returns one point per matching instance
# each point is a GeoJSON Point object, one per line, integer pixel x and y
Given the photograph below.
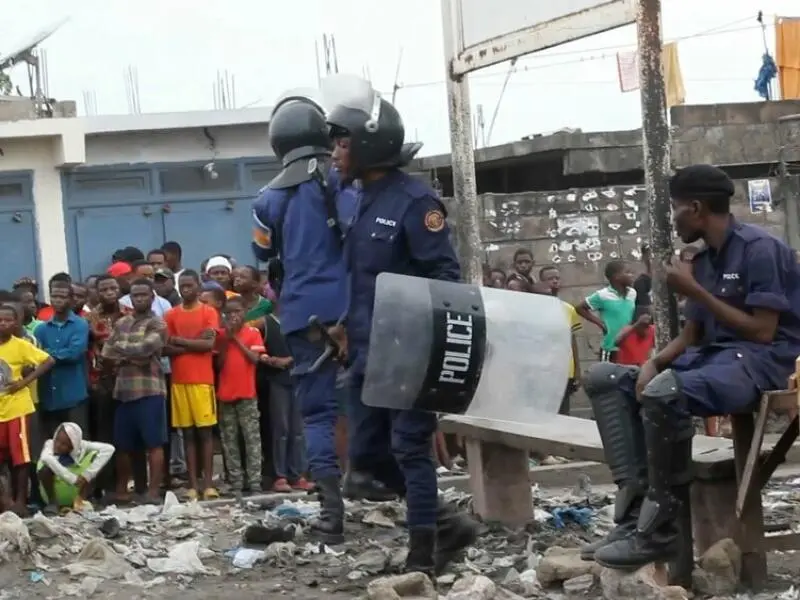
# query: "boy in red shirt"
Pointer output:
{"type": "Point", "coordinates": [192, 328]}
{"type": "Point", "coordinates": [636, 341]}
{"type": "Point", "coordinates": [239, 349]}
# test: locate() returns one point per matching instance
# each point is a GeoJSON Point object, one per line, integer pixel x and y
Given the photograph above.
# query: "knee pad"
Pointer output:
{"type": "Point", "coordinates": [663, 395]}
{"type": "Point", "coordinates": [618, 422]}
{"type": "Point", "coordinates": [602, 378]}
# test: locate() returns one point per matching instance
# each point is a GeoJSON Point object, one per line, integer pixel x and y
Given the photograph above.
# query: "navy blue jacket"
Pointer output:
{"type": "Point", "coordinates": [751, 270]}
{"type": "Point", "coordinates": [314, 272]}
{"type": "Point", "coordinates": [399, 227]}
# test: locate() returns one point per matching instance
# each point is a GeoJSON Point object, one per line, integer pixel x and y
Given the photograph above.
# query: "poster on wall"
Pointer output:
{"type": "Point", "coordinates": [759, 194]}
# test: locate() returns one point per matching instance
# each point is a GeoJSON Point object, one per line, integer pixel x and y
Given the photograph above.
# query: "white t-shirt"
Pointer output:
{"type": "Point", "coordinates": [159, 307]}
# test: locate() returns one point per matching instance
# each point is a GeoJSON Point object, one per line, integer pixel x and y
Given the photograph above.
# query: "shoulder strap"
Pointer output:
{"type": "Point", "coordinates": [331, 212]}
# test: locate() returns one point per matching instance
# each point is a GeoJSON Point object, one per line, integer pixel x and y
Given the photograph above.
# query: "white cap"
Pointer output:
{"type": "Point", "coordinates": [218, 261]}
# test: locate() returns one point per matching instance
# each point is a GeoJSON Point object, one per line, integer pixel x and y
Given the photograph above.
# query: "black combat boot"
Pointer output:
{"type": "Point", "coordinates": [421, 548]}
{"type": "Point", "coordinates": [627, 506]}
{"type": "Point", "coordinates": [330, 523]}
{"type": "Point", "coordinates": [669, 457]}
{"type": "Point", "coordinates": [455, 531]}
{"type": "Point", "coordinates": [363, 486]}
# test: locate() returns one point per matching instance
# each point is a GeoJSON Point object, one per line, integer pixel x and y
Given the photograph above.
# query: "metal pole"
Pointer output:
{"type": "Point", "coordinates": [467, 224]}
{"type": "Point", "coordinates": [656, 145]}
{"type": "Point", "coordinates": [788, 129]}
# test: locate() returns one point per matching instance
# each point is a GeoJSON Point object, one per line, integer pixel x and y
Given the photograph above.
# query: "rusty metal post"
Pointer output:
{"type": "Point", "coordinates": [467, 224]}
{"type": "Point", "coordinates": [656, 145]}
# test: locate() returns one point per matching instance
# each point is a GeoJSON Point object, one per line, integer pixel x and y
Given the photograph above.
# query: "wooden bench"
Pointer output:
{"type": "Point", "coordinates": [498, 454]}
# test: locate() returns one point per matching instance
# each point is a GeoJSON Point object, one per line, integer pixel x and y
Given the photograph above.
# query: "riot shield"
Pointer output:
{"type": "Point", "coordinates": [350, 91]}
{"type": "Point", "coordinates": [464, 349]}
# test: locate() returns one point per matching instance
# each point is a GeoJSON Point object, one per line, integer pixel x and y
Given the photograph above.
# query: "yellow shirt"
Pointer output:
{"type": "Point", "coordinates": [15, 355]}
{"type": "Point", "coordinates": [574, 326]}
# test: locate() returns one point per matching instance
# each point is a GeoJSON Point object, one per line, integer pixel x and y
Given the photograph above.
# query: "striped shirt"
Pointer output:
{"type": "Point", "coordinates": [136, 344]}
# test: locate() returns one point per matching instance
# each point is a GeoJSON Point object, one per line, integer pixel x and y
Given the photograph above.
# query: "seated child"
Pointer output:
{"type": "Point", "coordinates": [68, 465]}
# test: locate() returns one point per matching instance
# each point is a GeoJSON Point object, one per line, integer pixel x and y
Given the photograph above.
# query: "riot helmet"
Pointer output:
{"type": "Point", "coordinates": [374, 127]}
{"type": "Point", "coordinates": [298, 130]}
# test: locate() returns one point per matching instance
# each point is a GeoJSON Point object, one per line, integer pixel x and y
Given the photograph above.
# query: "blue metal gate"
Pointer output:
{"type": "Point", "coordinates": [17, 228]}
{"type": "Point", "coordinates": [146, 205]}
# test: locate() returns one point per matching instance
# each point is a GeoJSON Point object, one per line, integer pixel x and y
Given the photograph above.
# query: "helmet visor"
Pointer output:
{"type": "Point", "coordinates": [353, 93]}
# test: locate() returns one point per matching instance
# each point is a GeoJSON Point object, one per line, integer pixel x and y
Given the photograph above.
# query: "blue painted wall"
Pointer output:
{"type": "Point", "coordinates": [19, 256]}
{"type": "Point", "coordinates": [145, 205]}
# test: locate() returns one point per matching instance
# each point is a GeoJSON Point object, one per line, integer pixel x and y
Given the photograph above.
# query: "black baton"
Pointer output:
{"type": "Point", "coordinates": [331, 345]}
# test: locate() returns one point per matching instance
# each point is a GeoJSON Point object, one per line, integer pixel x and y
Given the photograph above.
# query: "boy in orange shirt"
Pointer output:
{"type": "Point", "coordinates": [239, 349]}
{"type": "Point", "coordinates": [192, 328]}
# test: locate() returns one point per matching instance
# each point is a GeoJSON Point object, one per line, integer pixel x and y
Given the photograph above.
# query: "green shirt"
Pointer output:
{"type": "Point", "coordinates": [31, 327]}
{"type": "Point", "coordinates": [261, 309]}
{"type": "Point", "coordinates": [615, 310]}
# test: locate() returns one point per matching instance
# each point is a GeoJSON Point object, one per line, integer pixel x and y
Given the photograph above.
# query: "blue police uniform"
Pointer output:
{"type": "Point", "coordinates": [648, 442]}
{"type": "Point", "coordinates": [725, 374]}
{"type": "Point", "coordinates": [751, 270]}
{"type": "Point", "coordinates": [399, 227]}
{"type": "Point", "coordinates": [314, 283]}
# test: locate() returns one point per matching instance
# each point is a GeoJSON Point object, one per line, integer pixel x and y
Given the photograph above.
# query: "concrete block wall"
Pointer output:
{"type": "Point", "coordinates": [13, 108]}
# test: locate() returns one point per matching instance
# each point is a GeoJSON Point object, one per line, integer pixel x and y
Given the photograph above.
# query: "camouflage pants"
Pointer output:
{"type": "Point", "coordinates": [235, 417]}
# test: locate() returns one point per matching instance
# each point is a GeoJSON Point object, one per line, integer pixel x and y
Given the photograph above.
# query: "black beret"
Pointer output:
{"type": "Point", "coordinates": [700, 181]}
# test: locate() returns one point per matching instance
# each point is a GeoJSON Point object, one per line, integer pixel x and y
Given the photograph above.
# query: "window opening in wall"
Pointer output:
{"type": "Point", "coordinates": [104, 183]}
{"type": "Point", "coordinates": [11, 190]}
{"type": "Point", "coordinates": [199, 179]}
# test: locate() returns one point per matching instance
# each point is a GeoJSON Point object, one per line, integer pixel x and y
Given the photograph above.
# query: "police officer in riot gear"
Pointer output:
{"type": "Point", "coordinates": [399, 227]}
{"type": "Point", "coordinates": [296, 220]}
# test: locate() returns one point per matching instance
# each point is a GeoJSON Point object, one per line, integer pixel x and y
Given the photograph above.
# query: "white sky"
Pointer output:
{"type": "Point", "coordinates": [179, 45]}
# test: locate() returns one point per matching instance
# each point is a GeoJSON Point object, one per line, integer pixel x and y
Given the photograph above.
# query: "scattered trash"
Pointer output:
{"type": "Point", "coordinates": [183, 559]}
{"type": "Point", "coordinates": [36, 577]}
{"type": "Point", "coordinates": [261, 534]}
{"type": "Point", "coordinates": [296, 508]}
{"type": "Point", "coordinates": [98, 559]}
{"type": "Point", "coordinates": [246, 558]}
{"type": "Point", "coordinates": [581, 516]}
{"type": "Point", "coordinates": [110, 528]}
{"type": "Point", "coordinates": [14, 531]}
{"type": "Point", "coordinates": [184, 547]}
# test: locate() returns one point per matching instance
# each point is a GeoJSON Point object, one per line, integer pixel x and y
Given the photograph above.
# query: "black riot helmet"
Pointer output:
{"type": "Point", "coordinates": [298, 130]}
{"type": "Point", "coordinates": [376, 137]}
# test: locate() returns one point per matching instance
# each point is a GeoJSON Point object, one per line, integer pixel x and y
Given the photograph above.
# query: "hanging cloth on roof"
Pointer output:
{"type": "Point", "coordinates": [628, 72]}
{"type": "Point", "coordinates": [768, 69]}
{"type": "Point", "coordinates": [787, 56]}
{"type": "Point", "coordinates": [673, 78]}
{"type": "Point", "coordinates": [766, 74]}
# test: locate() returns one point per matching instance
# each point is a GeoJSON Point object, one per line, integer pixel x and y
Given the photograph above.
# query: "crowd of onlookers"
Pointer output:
{"type": "Point", "coordinates": [140, 373]}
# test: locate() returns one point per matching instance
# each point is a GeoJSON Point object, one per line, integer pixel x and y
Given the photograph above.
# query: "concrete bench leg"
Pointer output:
{"type": "Point", "coordinates": [714, 518]}
{"type": "Point", "coordinates": [500, 481]}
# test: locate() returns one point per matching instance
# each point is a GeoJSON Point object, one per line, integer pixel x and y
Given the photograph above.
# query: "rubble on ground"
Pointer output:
{"type": "Point", "coordinates": [246, 547]}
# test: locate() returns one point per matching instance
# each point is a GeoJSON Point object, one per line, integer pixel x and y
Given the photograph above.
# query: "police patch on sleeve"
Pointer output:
{"type": "Point", "coordinates": [434, 220]}
{"type": "Point", "coordinates": [262, 237]}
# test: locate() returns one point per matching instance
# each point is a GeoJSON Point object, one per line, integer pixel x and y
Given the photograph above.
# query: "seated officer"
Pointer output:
{"type": "Point", "coordinates": [742, 336]}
